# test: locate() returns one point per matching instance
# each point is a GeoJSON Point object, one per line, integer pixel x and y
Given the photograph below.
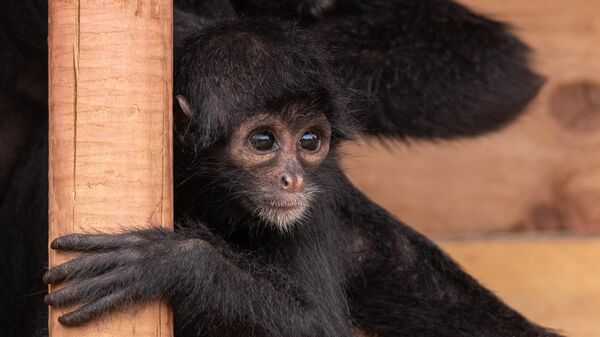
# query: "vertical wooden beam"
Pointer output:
{"type": "Point", "coordinates": [110, 83]}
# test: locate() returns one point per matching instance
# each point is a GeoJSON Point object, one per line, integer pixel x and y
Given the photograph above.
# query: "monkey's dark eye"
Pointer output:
{"type": "Point", "coordinates": [310, 141]}
{"type": "Point", "coordinates": [263, 140]}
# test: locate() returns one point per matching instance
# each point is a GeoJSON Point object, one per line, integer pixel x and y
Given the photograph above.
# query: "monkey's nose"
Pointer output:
{"type": "Point", "coordinates": [292, 183]}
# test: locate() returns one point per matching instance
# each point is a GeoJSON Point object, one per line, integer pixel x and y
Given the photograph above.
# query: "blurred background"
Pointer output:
{"type": "Point", "coordinates": [519, 209]}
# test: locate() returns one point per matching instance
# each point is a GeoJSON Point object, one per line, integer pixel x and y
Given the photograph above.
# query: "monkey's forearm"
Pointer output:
{"type": "Point", "coordinates": [196, 276]}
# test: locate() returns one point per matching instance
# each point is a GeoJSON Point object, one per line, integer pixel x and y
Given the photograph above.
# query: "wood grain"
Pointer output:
{"type": "Point", "coordinates": [110, 165]}
{"type": "Point", "coordinates": [542, 173]}
{"type": "Point", "coordinates": [552, 281]}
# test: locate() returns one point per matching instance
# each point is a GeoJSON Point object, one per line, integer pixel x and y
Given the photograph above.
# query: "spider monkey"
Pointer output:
{"type": "Point", "coordinates": [272, 239]}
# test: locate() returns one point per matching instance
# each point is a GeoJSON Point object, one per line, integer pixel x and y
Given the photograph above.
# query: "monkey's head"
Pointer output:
{"type": "Point", "coordinates": [260, 113]}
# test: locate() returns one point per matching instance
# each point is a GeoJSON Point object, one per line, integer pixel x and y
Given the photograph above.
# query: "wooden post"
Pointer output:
{"type": "Point", "coordinates": [110, 83]}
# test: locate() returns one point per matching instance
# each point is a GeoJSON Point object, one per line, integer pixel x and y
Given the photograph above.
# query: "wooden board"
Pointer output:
{"type": "Point", "coordinates": [552, 281]}
{"type": "Point", "coordinates": [542, 173]}
{"type": "Point", "coordinates": [110, 165]}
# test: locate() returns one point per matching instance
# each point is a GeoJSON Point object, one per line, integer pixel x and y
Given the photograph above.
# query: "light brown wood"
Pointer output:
{"type": "Point", "coordinates": [542, 173]}
{"type": "Point", "coordinates": [110, 69]}
{"type": "Point", "coordinates": [552, 281]}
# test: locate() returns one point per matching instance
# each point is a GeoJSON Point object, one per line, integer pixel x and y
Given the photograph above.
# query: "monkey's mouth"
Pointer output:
{"type": "Point", "coordinates": [283, 211]}
{"type": "Point", "coordinates": [285, 204]}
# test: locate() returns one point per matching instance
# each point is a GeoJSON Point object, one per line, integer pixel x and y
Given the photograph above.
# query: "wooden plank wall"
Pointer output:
{"type": "Point", "coordinates": [542, 173]}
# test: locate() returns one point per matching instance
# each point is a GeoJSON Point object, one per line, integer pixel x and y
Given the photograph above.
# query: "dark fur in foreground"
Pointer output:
{"type": "Point", "coordinates": [350, 264]}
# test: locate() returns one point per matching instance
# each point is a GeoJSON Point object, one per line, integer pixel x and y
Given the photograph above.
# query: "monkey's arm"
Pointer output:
{"type": "Point", "coordinates": [195, 276]}
{"type": "Point", "coordinates": [403, 285]}
{"type": "Point", "coordinates": [427, 69]}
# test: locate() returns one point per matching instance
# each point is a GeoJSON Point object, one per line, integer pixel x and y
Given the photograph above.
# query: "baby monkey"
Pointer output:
{"type": "Point", "coordinates": [272, 239]}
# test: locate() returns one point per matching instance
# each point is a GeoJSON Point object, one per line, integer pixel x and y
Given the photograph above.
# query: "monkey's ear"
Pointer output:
{"type": "Point", "coordinates": [184, 104]}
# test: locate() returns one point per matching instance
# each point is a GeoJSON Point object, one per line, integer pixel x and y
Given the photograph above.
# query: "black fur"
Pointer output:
{"type": "Point", "coordinates": [23, 166]}
{"type": "Point", "coordinates": [350, 264]}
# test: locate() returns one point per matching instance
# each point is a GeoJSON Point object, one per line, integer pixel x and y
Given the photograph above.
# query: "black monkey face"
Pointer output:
{"type": "Point", "coordinates": [261, 111]}
{"type": "Point", "coordinates": [277, 157]}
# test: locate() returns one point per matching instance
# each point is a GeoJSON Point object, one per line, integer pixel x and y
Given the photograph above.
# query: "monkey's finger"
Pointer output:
{"type": "Point", "coordinates": [83, 266]}
{"type": "Point", "coordinates": [95, 242]}
{"type": "Point", "coordinates": [96, 309]}
{"type": "Point", "coordinates": [85, 291]}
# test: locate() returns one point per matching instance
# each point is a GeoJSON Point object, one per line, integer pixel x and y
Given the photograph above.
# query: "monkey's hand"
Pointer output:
{"type": "Point", "coordinates": [118, 270]}
{"type": "Point", "coordinates": [195, 272]}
